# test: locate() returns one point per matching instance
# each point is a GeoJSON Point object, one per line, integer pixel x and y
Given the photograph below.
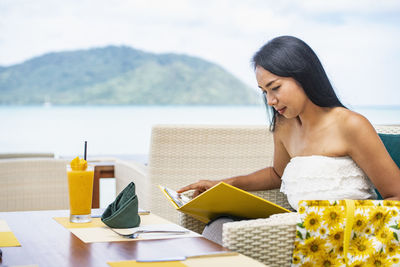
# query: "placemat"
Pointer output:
{"type": "Point", "coordinates": [7, 237]}
{"type": "Point", "coordinates": [238, 260]}
{"type": "Point", "coordinates": [97, 231]}
{"type": "Point", "coordinates": [64, 221]}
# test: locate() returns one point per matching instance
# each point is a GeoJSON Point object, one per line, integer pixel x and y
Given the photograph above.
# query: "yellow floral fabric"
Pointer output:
{"type": "Point", "coordinates": [374, 239]}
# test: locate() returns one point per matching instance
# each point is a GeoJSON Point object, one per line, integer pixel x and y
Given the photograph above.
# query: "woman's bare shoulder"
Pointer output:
{"type": "Point", "coordinates": [352, 124]}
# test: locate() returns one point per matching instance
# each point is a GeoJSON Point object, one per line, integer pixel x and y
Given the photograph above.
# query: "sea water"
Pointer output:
{"type": "Point", "coordinates": [123, 131]}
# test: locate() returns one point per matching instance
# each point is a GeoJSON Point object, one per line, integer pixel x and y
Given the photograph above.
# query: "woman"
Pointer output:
{"type": "Point", "coordinates": [322, 150]}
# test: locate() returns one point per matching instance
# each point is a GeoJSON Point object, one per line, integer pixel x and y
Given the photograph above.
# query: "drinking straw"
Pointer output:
{"type": "Point", "coordinates": [84, 153]}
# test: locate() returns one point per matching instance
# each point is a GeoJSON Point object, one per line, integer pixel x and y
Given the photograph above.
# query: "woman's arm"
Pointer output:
{"type": "Point", "coordinates": [266, 178]}
{"type": "Point", "coordinates": [367, 150]}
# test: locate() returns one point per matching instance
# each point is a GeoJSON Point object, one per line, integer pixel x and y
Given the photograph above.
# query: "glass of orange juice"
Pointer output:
{"type": "Point", "coordinates": [80, 185]}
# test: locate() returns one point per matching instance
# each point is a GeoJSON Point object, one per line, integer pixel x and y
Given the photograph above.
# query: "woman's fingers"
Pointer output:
{"type": "Point", "coordinates": [196, 193]}
{"type": "Point", "coordinates": [199, 187]}
{"type": "Point", "coordinates": [187, 188]}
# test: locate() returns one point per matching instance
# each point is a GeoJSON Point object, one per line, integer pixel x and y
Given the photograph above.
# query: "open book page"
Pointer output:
{"type": "Point", "coordinates": [177, 198]}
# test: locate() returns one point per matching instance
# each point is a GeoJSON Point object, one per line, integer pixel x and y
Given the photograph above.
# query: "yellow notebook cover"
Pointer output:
{"type": "Point", "coordinates": [223, 199]}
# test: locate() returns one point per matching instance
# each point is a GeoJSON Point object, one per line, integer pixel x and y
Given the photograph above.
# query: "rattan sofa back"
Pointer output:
{"type": "Point", "coordinates": [183, 154]}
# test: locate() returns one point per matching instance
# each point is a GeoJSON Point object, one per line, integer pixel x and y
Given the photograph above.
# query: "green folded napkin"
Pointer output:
{"type": "Point", "coordinates": [123, 212]}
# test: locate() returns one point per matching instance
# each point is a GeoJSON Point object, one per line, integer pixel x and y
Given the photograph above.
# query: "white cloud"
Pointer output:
{"type": "Point", "coordinates": [357, 44]}
{"type": "Point", "coordinates": [342, 6]}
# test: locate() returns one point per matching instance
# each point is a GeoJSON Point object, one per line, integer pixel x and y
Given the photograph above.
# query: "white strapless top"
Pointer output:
{"type": "Point", "coordinates": [322, 177]}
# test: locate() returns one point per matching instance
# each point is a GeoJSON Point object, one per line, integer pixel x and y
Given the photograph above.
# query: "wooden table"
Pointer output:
{"type": "Point", "coordinates": [46, 243]}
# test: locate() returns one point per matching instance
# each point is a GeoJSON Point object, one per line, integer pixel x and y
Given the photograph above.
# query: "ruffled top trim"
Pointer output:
{"type": "Point", "coordinates": [322, 177]}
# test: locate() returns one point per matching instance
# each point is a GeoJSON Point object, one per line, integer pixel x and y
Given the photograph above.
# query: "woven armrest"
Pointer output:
{"type": "Point", "coordinates": [188, 221]}
{"type": "Point", "coordinates": [191, 223]}
{"type": "Point", "coordinates": [275, 196]}
{"type": "Point", "coordinates": [270, 241]}
{"type": "Point", "coordinates": [128, 171]}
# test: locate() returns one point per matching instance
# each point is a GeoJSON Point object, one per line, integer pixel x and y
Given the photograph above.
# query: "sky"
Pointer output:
{"type": "Point", "coordinates": [357, 41]}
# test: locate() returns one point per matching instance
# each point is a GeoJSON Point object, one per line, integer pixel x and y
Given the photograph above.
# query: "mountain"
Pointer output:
{"type": "Point", "coordinates": [120, 75]}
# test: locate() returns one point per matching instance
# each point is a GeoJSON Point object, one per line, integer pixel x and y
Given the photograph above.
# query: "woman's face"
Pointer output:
{"type": "Point", "coordinates": [284, 94]}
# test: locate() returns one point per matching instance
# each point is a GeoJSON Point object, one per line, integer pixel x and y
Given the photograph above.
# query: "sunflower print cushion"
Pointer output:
{"type": "Point", "coordinates": [374, 239]}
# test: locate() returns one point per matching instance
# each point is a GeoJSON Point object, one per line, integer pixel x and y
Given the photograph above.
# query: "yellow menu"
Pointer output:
{"type": "Point", "coordinates": [223, 199]}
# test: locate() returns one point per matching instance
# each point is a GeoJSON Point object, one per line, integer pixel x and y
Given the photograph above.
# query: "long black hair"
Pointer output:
{"type": "Point", "coordinates": [288, 56]}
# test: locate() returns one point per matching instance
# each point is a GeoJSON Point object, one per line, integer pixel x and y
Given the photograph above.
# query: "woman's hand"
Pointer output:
{"type": "Point", "coordinates": [199, 187]}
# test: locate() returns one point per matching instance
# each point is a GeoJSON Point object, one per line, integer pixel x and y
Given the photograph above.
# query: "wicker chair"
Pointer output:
{"type": "Point", "coordinates": [33, 184]}
{"type": "Point", "coordinates": [128, 171]}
